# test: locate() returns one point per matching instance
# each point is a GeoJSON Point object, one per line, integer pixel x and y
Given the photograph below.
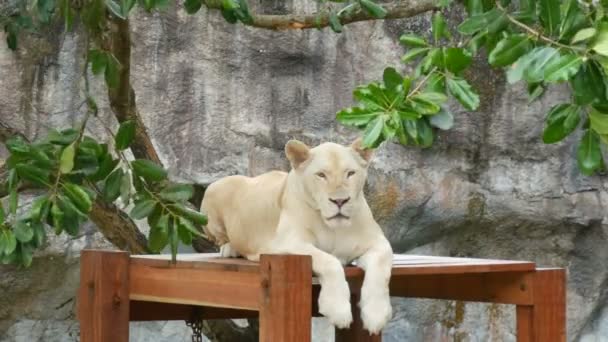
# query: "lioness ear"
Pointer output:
{"type": "Point", "coordinates": [365, 153]}
{"type": "Point", "coordinates": [297, 152]}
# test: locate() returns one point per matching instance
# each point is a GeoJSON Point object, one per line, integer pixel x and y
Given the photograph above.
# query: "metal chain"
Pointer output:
{"type": "Point", "coordinates": [197, 329]}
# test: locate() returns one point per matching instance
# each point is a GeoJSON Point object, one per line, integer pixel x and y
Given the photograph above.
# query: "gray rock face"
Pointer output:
{"type": "Point", "coordinates": [223, 99]}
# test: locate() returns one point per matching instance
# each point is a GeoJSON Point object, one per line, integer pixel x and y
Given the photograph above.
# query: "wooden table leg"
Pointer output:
{"type": "Point", "coordinates": [545, 320]}
{"type": "Point", "coordinates": [103, 297]}
{"type": "Point", "coordinates": [285, 307]}
{"type": "Point", "coordinates": [356, 332]}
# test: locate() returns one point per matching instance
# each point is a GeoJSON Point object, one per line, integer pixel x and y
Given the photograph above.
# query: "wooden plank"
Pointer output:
{"type": "Point", "coordinates": [549, 312]}
{"type": "Point", "coordinates": [153, 311]}
{"type": "Point", "coordinates": [525, 330]}
{"type": "Point", "coordinates": [285, 298]}
{"type": "Point", "coordinates": [505, 288]}
{"type": "Point", "coordinates": [207, 261]}
{"type": "Point", "coordinates": [196, 286]}
{"type": "Point", "coordinates": [103, 296]}
{"type": "Point", "coordinates": [356, 332]}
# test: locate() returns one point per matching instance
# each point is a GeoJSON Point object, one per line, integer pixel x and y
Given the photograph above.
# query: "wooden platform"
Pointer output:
{"type": "Point", "coordinates": [117, 288]}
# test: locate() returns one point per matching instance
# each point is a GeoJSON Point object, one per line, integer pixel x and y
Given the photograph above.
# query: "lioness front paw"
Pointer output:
{"type": "Point", "coordinates": [226, 251]}
{"type": "Point", "coordinates": [335, 306]}
{"type": "Point", "coordinates": [376, 311]}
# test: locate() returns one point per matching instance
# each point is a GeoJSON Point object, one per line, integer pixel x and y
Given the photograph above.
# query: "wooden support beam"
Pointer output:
{"type": "Point", "coordinates": [103, 297]}
{"type": "Point", "coordinates": [153, 311]}
{"type": "Point", "coordinates": [503, 288]}
{"type": "Point", "coordinates": [285, 298]}
{"type": "Point", "coordinates": [219, 287]}
{"type": "Point", "coordinates": [545, 319]}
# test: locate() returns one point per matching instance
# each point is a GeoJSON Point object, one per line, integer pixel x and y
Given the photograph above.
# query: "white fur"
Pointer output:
{"type": "Point", "coordinates": [294, 213]}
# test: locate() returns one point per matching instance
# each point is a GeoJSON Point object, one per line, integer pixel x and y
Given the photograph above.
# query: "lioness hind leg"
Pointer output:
{"type": "Point", "coordinates": [226, 251]}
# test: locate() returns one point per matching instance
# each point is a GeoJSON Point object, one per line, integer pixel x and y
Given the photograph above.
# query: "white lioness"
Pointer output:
{"type": "Point", "coordinates": [316, 209]}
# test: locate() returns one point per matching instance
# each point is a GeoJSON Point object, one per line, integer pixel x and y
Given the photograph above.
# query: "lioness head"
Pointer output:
{"type": "Point", "coordinates": [332, 177]}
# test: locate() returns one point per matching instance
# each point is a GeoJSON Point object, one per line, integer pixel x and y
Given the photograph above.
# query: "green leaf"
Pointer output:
{"type": "Point", "coordinates": [78, 196]}
{"type": "Point", "coordinates": [173, 239]}
{"type": "Point", "coordinates": [598, 122]}
{"type": "Point", "coordinates": [600, 43]}
{"type": "Point", "coordinates": [392, 80]}
{"type": "Point", "coordinates": [33, 174]}
{"type": "Point", "coordinates": [371, 135]}
{"type": "Point", "coordinates": [148, 170]}
{"type": "Point", "coordinates": [356, 116]}
{"type": "Point", "coordinates": [27, 254]}
{"type": "Point", "coordinates": [126, 6]}
{"type": "Point", "coordinates": [39, 234]}
{"type": "Point", "coordinates": [562, 68]}
{"type": "Point", "coordinates": [425, 133]}
{"type": "Point", "coordinates": [589, 154]}
{"type": "Point", "coordinates": [115, 8]}
{"type": "Point", "coordinates": [17, 145]}
{"type": "Point", "coordinates": [10, 242]}
{"type": "Point", "coordinates": [70, 209]}
{"type": "Point", "coordinates": [23, 232]}
{"type": "Point", "coordinates": [509, 50]}
{"type": "Point", "coordinates": [66, 163]}
{"type": "Point", "coordinates": [229, 16]}
{"type": "Point", "coordinates": [435, 83]}
{"type": "Point", "coordinates": [535, 90]}
{"type": "Point", "coordinates": [492, 21]}
{"type": "Point", "coordinates": [177, 192]}
{"type": "Point", "coordinates": [12, 202]}
{"type": "Point", "coordinates": [187, 224]}
{"type": "Point", "coordinates": [111, 190]}
{"type": "Point", "coordinates": [457, 59]}
{"type": "Point", "coordinates": [193, 6]}
{"type": "Point", "coordinates": [125, 135]}
{"type": "Point", "coordinates": [540, 61]}
{"type": "Point", "coordinates": [432, 97]}
{"type": "Point", "coordinates": [192, 215]}
{"type": "Point", "coordinates": [2, 214]}
{"type": "Point", "coordinates": [561, 121]}
{"type": "Point", "coordinates": [573, 20]}
{"type": "Point", "coordinates": [583, 35]}
{"type": "Point", "coordinates": [443, 120]}
{"type": "Point", "coordinates": [413, 40]}
{"type": "Point", "coordinates": [184, 235]}
{"type": "Point", "coordinates": [64, 137]}
{"type": "Point", "coordinates": [413, 53]}
{"type": "Point", "coordinates": [38, 208]}
{"type": "Point", "coordinates": [159, 234]}
{"type": "Point", "coordinates": [106, 165]}
{"type": "Point", "coordinates": [371, 96]}
{"type": "Point", "coordinates": [57, 216]}
{"type": "Point", "coordinates": [98, 60]}
{"type": "Point", "coordinates": [68, 14]}
{"type": "Point", "coordinates": [142, 209]}
{"type": "Point", "coordinates": [462, 91]}
{"type": "Point", "coordinates": [334, 22]}
{"type": "Point", "coordinates": [588, 84]}
{"type": "Point", "coordinates": [374, 9]}
{"type": "Point", "coordinates": [549, 14]}
{"type": "Point", "coordinates": [439, 26]}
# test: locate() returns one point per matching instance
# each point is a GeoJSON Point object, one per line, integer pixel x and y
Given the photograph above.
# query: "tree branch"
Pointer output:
{"type": "Point", "coordinates": [395, 10]}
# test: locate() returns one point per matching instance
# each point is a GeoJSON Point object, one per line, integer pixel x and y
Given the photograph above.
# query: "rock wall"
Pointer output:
{"type": "Point", "coordinates": [223, 99]}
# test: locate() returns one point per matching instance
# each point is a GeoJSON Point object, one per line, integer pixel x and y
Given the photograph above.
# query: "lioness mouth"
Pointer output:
{"type": "Point", "coordinates": [338, 216]}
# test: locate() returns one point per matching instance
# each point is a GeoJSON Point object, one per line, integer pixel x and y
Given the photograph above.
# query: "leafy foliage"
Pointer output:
{"type": "Point", "coordinates": [73, 170]}
{"type": "Point", "coordinates": [539, 42]}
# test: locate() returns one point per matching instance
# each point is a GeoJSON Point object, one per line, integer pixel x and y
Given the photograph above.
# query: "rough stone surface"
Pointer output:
{"type": "Point", "coordinates": [223, 99]}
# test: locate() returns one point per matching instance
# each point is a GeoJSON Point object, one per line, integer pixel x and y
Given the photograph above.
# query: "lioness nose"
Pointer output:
{"type": "Point", "coordinates": [340, 201]}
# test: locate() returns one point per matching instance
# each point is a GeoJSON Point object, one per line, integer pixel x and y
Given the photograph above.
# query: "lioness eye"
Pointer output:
{"type": "Point", "coordinates": [350, 173]}
{"type": "Point", "coordinates": [320, 175]}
